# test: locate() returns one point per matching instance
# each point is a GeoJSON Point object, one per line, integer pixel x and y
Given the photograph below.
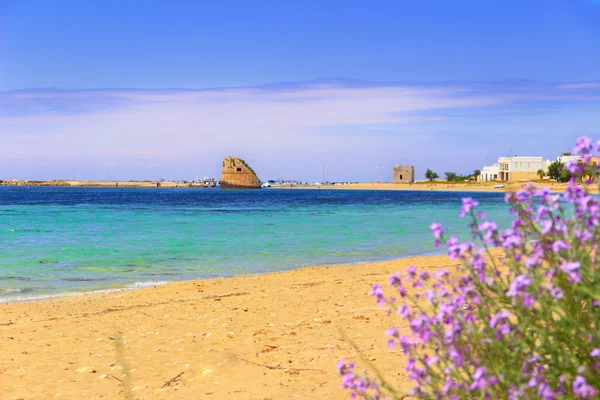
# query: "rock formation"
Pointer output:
{"type": "Point", "coordinates": [237, 174]}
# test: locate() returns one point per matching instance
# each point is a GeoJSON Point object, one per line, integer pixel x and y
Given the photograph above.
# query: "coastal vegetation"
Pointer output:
{"type": "Point", "coordinates": [541, 173]}
{"type": "Point", "coordinates": [454, 177]}
{"type": "Point", "coordinates": [523, 328]}
{"type": "Point", "coordinates": [430, 175]}
{"type": "Point", "coordinates": [451, 176]}
{"type": "Point", "coordinates": [558, 172]}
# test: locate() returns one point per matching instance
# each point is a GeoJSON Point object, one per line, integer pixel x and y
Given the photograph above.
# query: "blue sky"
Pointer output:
{"type": "Point", "coordinates": [97, 89]}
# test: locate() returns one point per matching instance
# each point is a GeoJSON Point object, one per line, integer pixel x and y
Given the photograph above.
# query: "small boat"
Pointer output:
{"type": "Point", "coordinates": [500, 186]}
{"type": "Point", "coordinates": [266, 185]}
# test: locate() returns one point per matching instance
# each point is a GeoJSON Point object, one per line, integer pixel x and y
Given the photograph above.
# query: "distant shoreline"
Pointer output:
{"type": "Point", "coordinates": [555, 187]}
{"type": "Point", "coordinates": [104, 184]}
{"type": "Point", "coordinates": [420, 186]}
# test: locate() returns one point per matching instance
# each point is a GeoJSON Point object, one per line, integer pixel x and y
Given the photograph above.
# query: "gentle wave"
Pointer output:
{"type": "Point", "coordinates": [10, 290]}
{"type": "Point", "coordinates": [19, 299]}
{"type": "Point", "coordinates": [14, 278]}
{"type": "Point", "coordinates": [83, 279]}
{"type": "Point", "coordinates": [138, 285]}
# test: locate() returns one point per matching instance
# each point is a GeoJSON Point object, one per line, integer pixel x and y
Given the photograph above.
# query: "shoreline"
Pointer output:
{"type": "Point", "coordinates": [555, 187]}
{"type": "Point", "coordinates": [59, 295]}
{"type": "Point", "coordinates": [142, 285]}
{"type": "Point", "coordinates": [481, 187]}
{"type": "Point", "coordinates": [220, 333]}
{"type": "Point", "coordinates": [101, 184]}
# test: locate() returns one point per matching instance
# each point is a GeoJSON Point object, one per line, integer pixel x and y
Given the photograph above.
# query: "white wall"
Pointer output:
{"type": "Point", "coordinates": [522, 164]}
{"type": "Point", "coordinates": [488, 173]}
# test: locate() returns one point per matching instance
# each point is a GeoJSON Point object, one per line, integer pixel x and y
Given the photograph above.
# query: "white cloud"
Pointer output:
{"type": "Point", "coordinates": [306, 122]}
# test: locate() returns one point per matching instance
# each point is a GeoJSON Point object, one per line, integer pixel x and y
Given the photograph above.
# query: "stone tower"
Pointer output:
{"type": "Point", "coordinates": [403, 174]}
{"type": "Point", "coordinates": [236, 174]}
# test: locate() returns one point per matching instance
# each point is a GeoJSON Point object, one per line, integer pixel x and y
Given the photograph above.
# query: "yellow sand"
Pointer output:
{"type": "Point", "coordinates": [275, 336]}
{"type": "Point", "coordinates": [438, 186]}
{"type": "Point", "coordinates": [421, 186]}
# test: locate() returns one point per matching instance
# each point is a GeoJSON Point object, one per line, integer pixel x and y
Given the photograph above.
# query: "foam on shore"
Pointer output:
{"type": "Point", "coordinates": [19, 299]}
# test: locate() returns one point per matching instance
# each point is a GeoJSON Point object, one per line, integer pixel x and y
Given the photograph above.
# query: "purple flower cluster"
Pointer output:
{"type": "Point", "coordinates": [359, 385]}
{"type": "Point", "coordinates": [520, 318]}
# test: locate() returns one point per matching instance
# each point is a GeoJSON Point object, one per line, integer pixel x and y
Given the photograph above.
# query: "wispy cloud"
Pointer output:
{"type": "Point", "coordinates": [580, 85]}
{"type": "Point", "coordinates": [311, 121]}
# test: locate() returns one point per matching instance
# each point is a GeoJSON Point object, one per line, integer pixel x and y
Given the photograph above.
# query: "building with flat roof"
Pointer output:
{"type": "Point", "coordinates": [513, 169]}
{"type": "Point", "coordinates": [489, 173]}
{"type": "Point", "coordinates": [403, 174]}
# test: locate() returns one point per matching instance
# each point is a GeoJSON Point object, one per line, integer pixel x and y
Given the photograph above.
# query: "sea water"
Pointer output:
{"type": "Point", "coordinates": [61, 240]}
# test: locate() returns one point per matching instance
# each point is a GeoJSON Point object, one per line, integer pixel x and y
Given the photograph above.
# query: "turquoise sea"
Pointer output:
{"type": "Point", "coordinates": [58, 240]}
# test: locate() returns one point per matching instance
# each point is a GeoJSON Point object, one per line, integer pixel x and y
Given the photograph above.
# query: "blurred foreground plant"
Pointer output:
{"type": "Point", "coordinates": [526, 327]}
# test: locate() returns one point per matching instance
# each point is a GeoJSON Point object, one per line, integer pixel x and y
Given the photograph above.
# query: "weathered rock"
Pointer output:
{"type": "Point", "coordinates": [237, 174]}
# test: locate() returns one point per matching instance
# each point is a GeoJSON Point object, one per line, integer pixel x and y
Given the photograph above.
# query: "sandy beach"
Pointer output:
{"type": "Point", "coordinates": [555, 187]}
{"type": "Point", "coordinates": [274, 336]}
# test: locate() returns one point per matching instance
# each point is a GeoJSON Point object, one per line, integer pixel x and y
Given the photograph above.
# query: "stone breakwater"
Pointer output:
{"type": "Point", "coordinates": [107, 184]}
{"type": "Point", "coordinates": [14, 182]}
{"type": "Point", "coordinates": [237, 174]}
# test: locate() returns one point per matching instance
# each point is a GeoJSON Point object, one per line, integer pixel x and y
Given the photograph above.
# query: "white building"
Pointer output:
{"type": "Point", "coordinates": [546, 165]}
{"type": "Point", "coordinates": [514, 169]}
{"type": "Point", "coordinates": [489, 173]}
{"type": "Point", "coordinates": [567, 159]}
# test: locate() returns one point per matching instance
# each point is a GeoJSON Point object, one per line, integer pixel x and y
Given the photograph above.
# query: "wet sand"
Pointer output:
{"type": "Point", "coordinates": [274, 336]}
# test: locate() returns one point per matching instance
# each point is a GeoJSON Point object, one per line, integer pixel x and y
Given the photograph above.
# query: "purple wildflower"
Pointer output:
{"type": "Point", "coordinates": [581, 388]}
{"type": "Point", "coordinates": [392, 333]}
{"type": "Point", "coordinates": [511, 239]}
{"type": "Point", "coordinates": [377, 291]}
{"type": "Point", "coordinates": [405, 343]}
{"type": "Point", "coordinates": [572, 270]}
{"type": "Point", "coordinates": [403, 311]}
{"type": "Point", "coordinates": [479, 381]}
{"type": "Point", "coordinates": [560, 245]}
{"type": "Point", "coordinates": [341, 366]}
{"type": "Point", "coordinates": [440, 273]}
{"type": "Point", "coordinates": [395, 279]}
{"type": "Point", "coordinates": [436, 230]}
{"type": "Point", "coordinates": [545, 392]}
{"type": "Point", "coordinates": [503, 314]}
{"type": "Point", "coordinates": [489, 229]}
{"type": "Point", "coordinates": [518, 284]}
{"type": "Point", "coordinates": [467, 205]}
{"type": "Point", "coordinates": [583, 145]}
{"type": "Point", "coordinates": [557, 293]}
{"type": "Point", "coordinates": [546, 226]}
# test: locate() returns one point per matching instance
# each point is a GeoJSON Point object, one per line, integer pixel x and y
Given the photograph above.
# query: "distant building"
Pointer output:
{"type": "Point", "coordinates": [403, 174]}
{"type": "Point", "coordinates": [568, 159]}
{"type": "Point", "coordinates": [545, 165]}
{"type": "Point", "coordinates": [489, 173]}
{"type": "Point", "coordinates": [513, 169]}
